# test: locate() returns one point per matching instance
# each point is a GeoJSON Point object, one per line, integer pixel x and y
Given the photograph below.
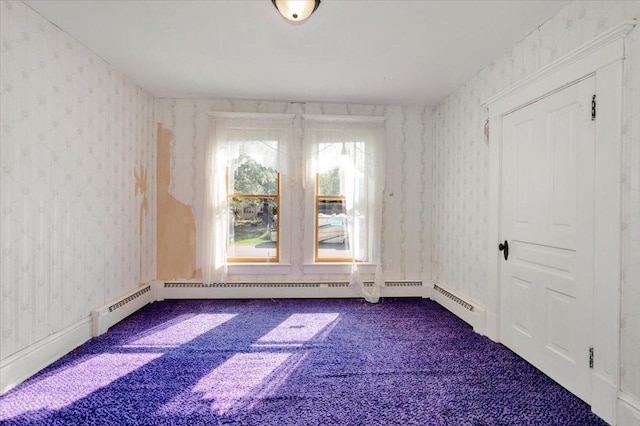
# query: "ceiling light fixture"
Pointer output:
{"type": "Point", "coordinates": [296, 10]}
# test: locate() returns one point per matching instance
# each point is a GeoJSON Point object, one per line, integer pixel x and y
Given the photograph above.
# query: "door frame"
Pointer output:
{"type": "Point", "coordinates": [603, 58]}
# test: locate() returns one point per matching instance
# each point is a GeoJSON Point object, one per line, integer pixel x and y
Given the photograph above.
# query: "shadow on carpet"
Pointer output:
{"type": "Point", "coordinates": [292, 362]}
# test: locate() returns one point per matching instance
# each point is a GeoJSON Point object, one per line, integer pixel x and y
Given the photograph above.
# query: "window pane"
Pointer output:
{"type": "Point", "coordinates": [333, 241]}
{"type": "Point", "coordinates": [329, 182]}
{"type": "Point", "coordinates": [253, 228]}
{"type": "Point", "coordinates": [252, 178]}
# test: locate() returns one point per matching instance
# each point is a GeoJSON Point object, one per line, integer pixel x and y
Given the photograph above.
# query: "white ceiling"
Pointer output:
{"type": "Point", "coordinates": [374, 52]}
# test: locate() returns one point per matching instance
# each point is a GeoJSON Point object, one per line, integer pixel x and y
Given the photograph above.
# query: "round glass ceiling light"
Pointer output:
{"type": "Point", "coordinates": [296, 10]}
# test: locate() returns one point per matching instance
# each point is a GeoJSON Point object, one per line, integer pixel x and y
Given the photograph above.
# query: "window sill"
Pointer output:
{"type": "Point", "coordinates": [258, 268]}
{"type": "Point", "coordinates": [337, 268]}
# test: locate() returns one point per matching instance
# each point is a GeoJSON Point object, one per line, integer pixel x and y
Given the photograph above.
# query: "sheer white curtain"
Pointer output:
{"type": "Point", "coordinates": [262, 137]}
{"type": "Point", "coordinates": [356, 146]}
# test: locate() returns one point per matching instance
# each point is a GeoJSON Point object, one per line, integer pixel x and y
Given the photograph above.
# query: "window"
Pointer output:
{"type": "Point", "coordinates": [345, 173]}
{"type": "Point", "coordinates": [344, 159]}
{"type": "Point", "coordinates": [246, 194]}
{"type": "Point", "coordinates": [332, 238]}
{"type": "Point", "coordinates": [338, 182]}
{"type": "Point", "coordinates": [333, 182]}
{"type": "Point", "coordinates": [253, 198]}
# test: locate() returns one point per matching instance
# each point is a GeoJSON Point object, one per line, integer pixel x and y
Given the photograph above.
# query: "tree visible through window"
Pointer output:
{"type": "Point", "coordinates": [253, 193]}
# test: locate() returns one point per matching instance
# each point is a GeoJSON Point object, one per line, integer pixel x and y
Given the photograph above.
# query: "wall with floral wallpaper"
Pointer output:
{"type": "Point", "coordinates": [77, 169]}
{"type": "Point", "coordinates": [407, 200]}
{"type": "Point", "coordinates": [630, 324]}
{"type": "Point", "coordinates": [77, 164]}
{"type": "Point", "coordinates": [461, 156]}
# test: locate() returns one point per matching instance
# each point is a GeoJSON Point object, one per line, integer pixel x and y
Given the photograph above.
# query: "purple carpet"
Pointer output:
{"type": "Point", "coordinates": [292, 362]}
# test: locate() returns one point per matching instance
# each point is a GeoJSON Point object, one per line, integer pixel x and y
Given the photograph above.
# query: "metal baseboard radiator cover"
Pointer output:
{"type": "Point", "coordinates": [401, 284]}
{"type": "Point", "coordinates": [453, 297]}
{"type": "Point", "coordinates": [105, 316]}
{"type": "Point", "coordinates": [319, 284]}
{"type": "Point", "coordinates": [130, 298]}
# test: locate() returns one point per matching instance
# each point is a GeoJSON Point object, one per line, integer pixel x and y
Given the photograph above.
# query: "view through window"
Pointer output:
{"type": "Point", "coordinates": [253, 199]}
{"type": "Point", "coordinates": [332, 185]}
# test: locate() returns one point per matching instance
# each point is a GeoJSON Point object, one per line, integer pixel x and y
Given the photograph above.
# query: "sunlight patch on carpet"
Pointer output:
{"type": "Point", "coordinates": [245, 378]}
{"type": "Point", "coordinates": [180, 333]}
{"type": "Point", "coordinates": [298, 329]}
{"type": "Point", "coordinates": [70, 384]}
{"type": "Point", "coordinates": [237, 381]}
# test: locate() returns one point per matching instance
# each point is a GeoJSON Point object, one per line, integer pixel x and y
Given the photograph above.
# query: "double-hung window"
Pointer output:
{"type": "Point", "coordinates": [246, 193]}
{"type": "Point", "coordinates": [345, 172]}
{"type": "Point", "coordinates": [333, 175]}
{"type": "Point", "coordinates": [253, 197]}
{"type": "Point", "coordinates": [247, 219]}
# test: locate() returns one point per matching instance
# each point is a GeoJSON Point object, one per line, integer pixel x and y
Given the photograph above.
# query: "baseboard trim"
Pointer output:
{"type": "Point", "coordinates": [20, 366]}
{"type": "Point", "coordinates": [491, 326]}
{"type": "Point", "coordinates": [281, 290]}
{"type": "Point", "coordinates": [628, 410]}
{"type": "Point", "coordinates": [468, 311]}
{"type": "Point", "coordinates": [604, 395]}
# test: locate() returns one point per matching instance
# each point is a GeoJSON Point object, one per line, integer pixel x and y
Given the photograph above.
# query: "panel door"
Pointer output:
{"type": "Point", "coordinates": [547, 209]}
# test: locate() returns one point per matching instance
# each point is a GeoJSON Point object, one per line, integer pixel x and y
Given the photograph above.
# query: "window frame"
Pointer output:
{"type": "Point", "coordinates": [316, 241]}
{"type": "Point", "coordinates": [231, 196]}
{"type": "Point", "coordinates": [315, 125]}
{"type": "Point", "coordinates": [214, 260]}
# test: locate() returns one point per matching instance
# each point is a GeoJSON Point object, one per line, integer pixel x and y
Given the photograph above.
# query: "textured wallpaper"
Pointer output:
{"type": "Point", "coordinates": [75, 134]}
{"type": "Point", "coordinates": [77, 168]}
{"type": "Point", "coordinates": [631, 213]}
{"type": "Point", "coordinates": [460, 162]}
{"type": "Point", "coordinates": [407, 207]}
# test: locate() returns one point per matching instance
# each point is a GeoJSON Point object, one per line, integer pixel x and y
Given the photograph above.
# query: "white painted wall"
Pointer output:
{"type": "Point", "coordinates": [72, 130]}
{"type": "Point", "coordinates": [460, 163]}
{"type": "Point", "coordinates": [407, 207]}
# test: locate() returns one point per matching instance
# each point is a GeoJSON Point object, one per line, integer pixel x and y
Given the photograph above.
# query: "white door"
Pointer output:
{"type": "Point", "coordinates": [546, 285]}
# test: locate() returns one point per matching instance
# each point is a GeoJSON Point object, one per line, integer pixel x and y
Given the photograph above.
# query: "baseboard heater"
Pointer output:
{"type": "Point", "coordinates": [282, 290]}
{"type": "Point", "coordinates": [470, 313]}
{"type": "Point", "coordinates": [453, 297]}
{"type": "Point", "coordinates": [115, 311]}
{"type": "Point", "coordinates": [286, 284]}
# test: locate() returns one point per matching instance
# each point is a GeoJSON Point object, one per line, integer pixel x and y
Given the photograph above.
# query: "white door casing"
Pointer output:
{"type": "Point", "coordinates": [547, 219]}
{"type": "Point", "coordinates": [602, 58]}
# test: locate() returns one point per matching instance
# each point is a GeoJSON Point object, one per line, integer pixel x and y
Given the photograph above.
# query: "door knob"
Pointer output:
{"type": "Point", "coordinates": [505, 249]}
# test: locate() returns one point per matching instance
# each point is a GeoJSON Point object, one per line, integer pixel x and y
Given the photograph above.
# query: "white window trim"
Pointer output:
{"type": "Point", "coordinates": [262, 268]}
{"type": "Point", "coordinates": [312, 267]}
{"type": "Point", "coordinates": [250, 115]}
{"type": "Point", "coordinates": [342, 268]}
{"type": "Point", "coordinates": [322, 118]}
{"type": "Point", "coordinates": [283, 266]}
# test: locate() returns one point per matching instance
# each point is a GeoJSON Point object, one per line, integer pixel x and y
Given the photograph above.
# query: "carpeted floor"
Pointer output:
{"type": "Point", "coordinates": [292, 362]}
